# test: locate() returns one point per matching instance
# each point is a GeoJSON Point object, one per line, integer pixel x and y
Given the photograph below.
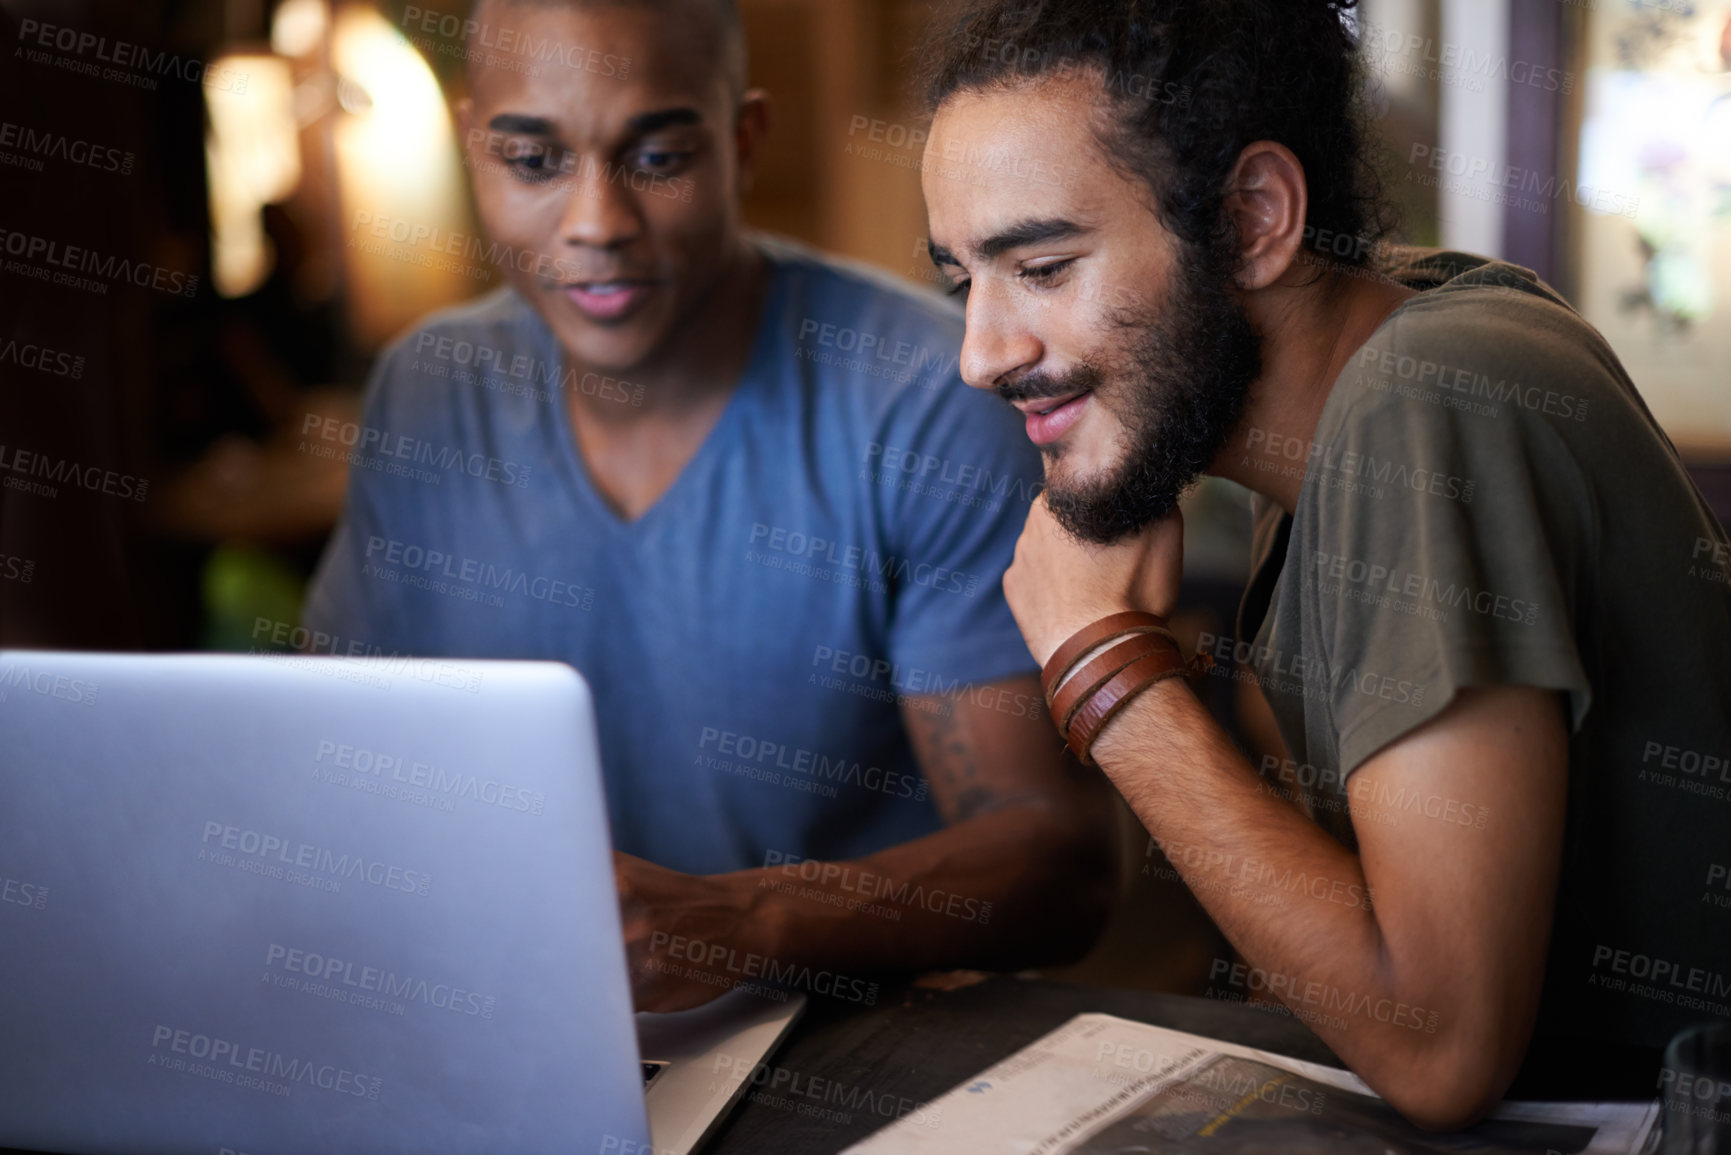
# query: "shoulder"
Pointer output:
{"type": "Point", "coordinates": [490, 328]}
{"type": "Point", "coordinates": [1491, 354]}
{"type": "Point", "coordinates": [837, 286]}
{"type": "Point", "coordinates": [489, 352]}
{"type": "Point", "coordinates": [885, 356]}
{"type": "Point", "coordinates": [893, 347]}
{"type": "Point", "coordinates": [847, 320]}
{"type": "Point", "coordinates": [1489, 316]}
{"type": "Point", "coordinates": [1470, 389]}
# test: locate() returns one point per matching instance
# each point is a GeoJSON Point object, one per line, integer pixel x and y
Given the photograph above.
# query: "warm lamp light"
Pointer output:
{"type": "Point", "coordinates": [298, 27]}
{"type": "Point", "coordinates": [397, 161]}
{"type": "Point", "coordinates": [252, 158]}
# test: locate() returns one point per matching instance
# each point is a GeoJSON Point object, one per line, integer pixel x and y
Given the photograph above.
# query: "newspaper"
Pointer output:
{"type": "Point", "coordinates": [1101, 1085]}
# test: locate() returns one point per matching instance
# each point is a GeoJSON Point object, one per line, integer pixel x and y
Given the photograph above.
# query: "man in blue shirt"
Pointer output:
{"type": "Point", "coordinates": [741, 488]}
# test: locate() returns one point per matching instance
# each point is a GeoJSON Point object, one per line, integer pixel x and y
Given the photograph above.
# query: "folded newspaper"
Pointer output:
{"type": "Point", "coordinates": [1100, 1085]}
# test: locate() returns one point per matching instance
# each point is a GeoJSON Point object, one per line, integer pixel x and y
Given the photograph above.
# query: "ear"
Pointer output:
{"type": "Point", "coordinates": [1266, 200]}
{"type": "Point", "coordinates": [750, 128]}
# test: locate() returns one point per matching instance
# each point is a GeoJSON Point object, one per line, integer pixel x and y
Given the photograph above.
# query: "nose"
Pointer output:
{"type": "Point", "coordinates": [600, 209]}
{"type": "Point", "coordinates": [996, 342]}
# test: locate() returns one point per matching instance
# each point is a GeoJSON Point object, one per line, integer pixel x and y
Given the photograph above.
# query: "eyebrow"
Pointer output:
{"type": "Point", "coordinates": [939, 254]}
{"type": "Point", "coordinates": [639, 125]}
{"type": "Point", "coordinates": [1027, 233]}
{"type": "Point", "coordinates": [1014, 237]}
{"type": "Point", "coordinates": [647, 122]}
{"type": "Point", "coordinates": [527, 125]}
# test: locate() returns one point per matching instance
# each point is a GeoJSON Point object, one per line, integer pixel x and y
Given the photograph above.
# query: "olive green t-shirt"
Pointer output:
{"type": "Point", "coordinates": [1487, 501]}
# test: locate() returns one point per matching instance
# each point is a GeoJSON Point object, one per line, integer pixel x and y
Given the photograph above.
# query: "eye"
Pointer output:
{"type": "Point", "coordinates": [659, 159]}
{"type": "Point", "coordinates": [1045, 274]}
{"type": "Point", "coordinates": [959, 289]}
{"type": "Point", "coordinates": [535, 166]}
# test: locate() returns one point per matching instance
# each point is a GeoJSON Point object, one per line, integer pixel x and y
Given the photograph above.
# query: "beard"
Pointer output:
{"type": "Point", "coordinates": [1178, 388]}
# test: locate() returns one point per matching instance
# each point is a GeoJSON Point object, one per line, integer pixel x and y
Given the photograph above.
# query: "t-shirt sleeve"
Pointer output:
{"type": "Point", "coordinates": [347, 610]}
{"type": "Point", "coordinates": [1447, 553]}
{"type": "Point", "coordinates": [955, 477]}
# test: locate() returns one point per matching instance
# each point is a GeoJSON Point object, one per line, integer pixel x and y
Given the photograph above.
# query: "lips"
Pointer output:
{"type": "Point", "coordinates": [1049, 418]}
{"type": "Point", "coordinates": [610, 300]}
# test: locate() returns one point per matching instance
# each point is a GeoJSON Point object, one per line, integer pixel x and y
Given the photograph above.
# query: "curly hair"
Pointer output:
{"type": "Point", "coordinates": [1190, 84]}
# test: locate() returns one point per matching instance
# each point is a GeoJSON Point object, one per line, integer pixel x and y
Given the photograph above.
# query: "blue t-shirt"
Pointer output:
{"type": "Point", "coordinates": [837, 542]}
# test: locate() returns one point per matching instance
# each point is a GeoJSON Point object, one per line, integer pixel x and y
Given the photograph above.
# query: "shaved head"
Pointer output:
{"type": "Point", "coordinates": [718, 19]}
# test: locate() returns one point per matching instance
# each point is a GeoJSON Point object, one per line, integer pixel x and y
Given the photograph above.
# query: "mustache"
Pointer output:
{"type": "Point", "coordinates": [1037, 385]}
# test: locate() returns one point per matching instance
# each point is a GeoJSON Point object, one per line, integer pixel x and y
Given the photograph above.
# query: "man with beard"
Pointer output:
{"type": "Point", "coordinates": [737, 485]}
{"type": "Point", "coordinates": [1488, 608]}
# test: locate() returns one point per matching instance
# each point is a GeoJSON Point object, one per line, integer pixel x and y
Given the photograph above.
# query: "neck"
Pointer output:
{"type": "Point", "coordinates": [1309, 334]}
{"type": "Point", "coordinates": [704, 355]}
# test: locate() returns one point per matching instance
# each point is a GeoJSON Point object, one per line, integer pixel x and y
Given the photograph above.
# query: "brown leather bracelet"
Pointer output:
{"type": "Point", "coordinates": [1065, 657]}
{"type": "Point", "coordinates": [1093, 674]}
{"type": "Point", "coordinates": [1116, 693]}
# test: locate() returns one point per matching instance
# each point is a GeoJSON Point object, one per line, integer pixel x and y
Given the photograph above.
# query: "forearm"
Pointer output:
{"type": "Point", "coordinates": [1289, 897]}
{"type": "Point", "coordinates": [1020, 885]}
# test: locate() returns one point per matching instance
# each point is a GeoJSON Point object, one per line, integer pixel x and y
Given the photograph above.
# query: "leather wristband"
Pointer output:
{"type": "Point", "coordinates": [1116, 694]}
{"type": "Point", "coordinates": [1094, 673]}
{"type": "Point", "coordinates": [1065, 657]}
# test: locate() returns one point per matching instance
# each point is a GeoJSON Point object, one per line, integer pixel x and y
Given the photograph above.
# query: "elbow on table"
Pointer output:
{"type": "Point", "coordinates": [1450, 1091]}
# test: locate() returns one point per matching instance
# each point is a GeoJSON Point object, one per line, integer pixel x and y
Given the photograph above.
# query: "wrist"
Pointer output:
{"type": "Point", "coordinates": [1074, 622]}
{"type": "Point", "coordinates": [1102, 668]}
{"type": "Point", "coordinates": [766, 916]}
{"type": "Point", "coordinates": [1127, 732]}
{"type": "Point", "coordinates": [1083, 661]}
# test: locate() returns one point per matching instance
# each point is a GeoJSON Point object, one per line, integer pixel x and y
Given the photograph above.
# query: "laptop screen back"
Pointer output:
{"type": "Point", "coordinates": [307, 905]}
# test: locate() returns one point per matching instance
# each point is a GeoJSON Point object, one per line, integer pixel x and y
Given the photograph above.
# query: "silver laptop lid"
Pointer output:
{"type": "Point", "coordinates": [307, 905]}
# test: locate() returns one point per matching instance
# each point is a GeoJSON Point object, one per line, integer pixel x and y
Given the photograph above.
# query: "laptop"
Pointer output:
{"type": "Point", "coordinates": [291, 905]}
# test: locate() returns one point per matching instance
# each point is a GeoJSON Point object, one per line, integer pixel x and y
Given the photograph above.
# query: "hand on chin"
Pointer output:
{"type": "Point", "coordinates": [1058, 583]}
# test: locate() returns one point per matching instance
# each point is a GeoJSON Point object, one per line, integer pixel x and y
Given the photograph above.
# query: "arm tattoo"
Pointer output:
{"type": "Point", "coordinates": [947, 758]}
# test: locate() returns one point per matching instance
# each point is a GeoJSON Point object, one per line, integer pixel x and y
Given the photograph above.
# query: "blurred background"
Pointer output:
{"type": "Point", "coordinates": [187, 282]}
